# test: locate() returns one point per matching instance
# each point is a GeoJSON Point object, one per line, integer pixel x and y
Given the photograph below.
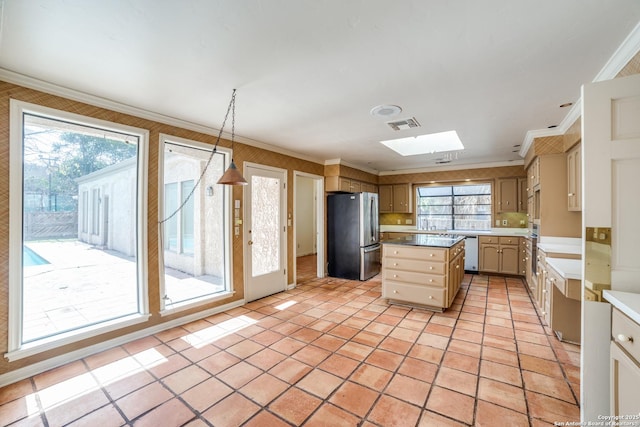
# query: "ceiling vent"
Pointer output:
{"type": "Point", "coordinates": [404, 124]}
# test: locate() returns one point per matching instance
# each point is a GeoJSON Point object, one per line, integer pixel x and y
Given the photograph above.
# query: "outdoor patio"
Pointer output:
{"type": "Point", "coordinates": [80, 284]}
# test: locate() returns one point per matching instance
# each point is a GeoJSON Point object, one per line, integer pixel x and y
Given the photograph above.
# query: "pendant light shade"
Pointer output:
{"type": "Point", "coordinates": [232, 176]}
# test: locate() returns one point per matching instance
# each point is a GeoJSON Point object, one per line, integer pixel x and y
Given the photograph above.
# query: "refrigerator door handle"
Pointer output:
{"type": "Point", "coordinates": [372, 248]}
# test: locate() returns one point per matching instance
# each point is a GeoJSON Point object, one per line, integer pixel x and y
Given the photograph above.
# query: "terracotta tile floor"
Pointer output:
{"type": "Point", "coordinates": [329, 353]}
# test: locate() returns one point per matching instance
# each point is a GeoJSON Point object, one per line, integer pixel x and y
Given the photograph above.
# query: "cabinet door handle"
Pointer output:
{"type": "Point", "coordinates": [624, 338]}
{"type": "Point", "coordinates": [395, 292]}
{"type": "Point", "coordinates": [571, 194]}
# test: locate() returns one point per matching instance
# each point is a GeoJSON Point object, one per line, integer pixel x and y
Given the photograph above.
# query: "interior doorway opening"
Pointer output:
{"type": "Point", "coordinates": [308, 234]}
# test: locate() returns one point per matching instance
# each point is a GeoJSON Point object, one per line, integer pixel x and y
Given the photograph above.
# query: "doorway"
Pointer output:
{"type": "Point", "coordinates": [265, 231]}
{"type": "Point", "coordinates": [308, 227]}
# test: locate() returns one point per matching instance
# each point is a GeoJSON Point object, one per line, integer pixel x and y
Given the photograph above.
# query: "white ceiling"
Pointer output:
{"type": "Point", "coordinates": [308, 72]}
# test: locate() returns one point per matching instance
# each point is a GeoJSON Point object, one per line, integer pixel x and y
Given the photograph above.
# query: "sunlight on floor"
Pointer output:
{"type": "Point", "coordinates": [208, 335]}
{"type": "Point", "coordinates": [286, 305]}
{"type": "Point", "coordinates": [81, 385]}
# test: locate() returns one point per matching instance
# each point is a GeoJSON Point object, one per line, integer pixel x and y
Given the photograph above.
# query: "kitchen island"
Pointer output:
{"type": "Point", "coordinates": [423, 270]}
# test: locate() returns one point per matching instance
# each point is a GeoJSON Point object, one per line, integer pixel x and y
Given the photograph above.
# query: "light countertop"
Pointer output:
{"type": "Point", "coordinates": [560, 245]}
{"type": "Point", "coordinates": [426, 240]}
{"type": "Point", "coordinates": [626, 302]}
{"type": "Point", "coordinates": [567, 268]}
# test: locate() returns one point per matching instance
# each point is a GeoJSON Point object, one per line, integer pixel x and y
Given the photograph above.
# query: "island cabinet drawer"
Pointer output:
{"type": "Point", "coordinates": [626, 333]}
{"type": "Point", "coordinates": [416, 294]}
{"type": "Point", "coordinates": [437, 279]}
{"type": "Point", "coordinates": [415, 252]}
{"type": "Point", "coordinates": [416, 265]}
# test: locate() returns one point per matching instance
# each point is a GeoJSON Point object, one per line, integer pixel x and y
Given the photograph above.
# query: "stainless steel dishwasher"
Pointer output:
{"type": "Point", "coordinates": [471, 253]}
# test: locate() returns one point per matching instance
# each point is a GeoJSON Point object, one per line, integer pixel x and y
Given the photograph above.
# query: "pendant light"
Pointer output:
{"type": "Point", "coordinates": [232, 176]}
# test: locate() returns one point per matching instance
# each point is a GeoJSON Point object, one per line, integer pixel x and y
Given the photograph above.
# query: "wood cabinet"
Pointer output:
{"type": "Point", "coordinates": [541, 280]}
{"type": "Point", "coordinates": [395, 198]}
{"type": "Point", "coordinates": [421, 275]}
{"type": "Point", "coordinates": [550, 198]}
{"type": "Point", "coordinates": [456, 271]}
{"type": "Point", "coordinates": [528, 267]}
{"type": "Point", "coordinates": [507, 195]}
{"type": "Point", "coordinates": [562, 307]}
{"type": "Point", "coordinates": [499, 254]}
{"type": "Point", "coordinates": [625, 368]}
{"type": "Point", "coordinates": [523, 194]}
{"type": "Point", "coordinates": [348, 185]}
{"type": "Point", "coordinates": [522, 256]}
{"type": "Point", "coordinates": [574, 178]}
{"type": "Point", "coordinates": [533, 175]}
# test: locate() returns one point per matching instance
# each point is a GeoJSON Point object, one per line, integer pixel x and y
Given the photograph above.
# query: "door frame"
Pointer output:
{"type": "Point", "coordinates": [318, 182]}
{"type": "Point", "coordinates": [245, 224]}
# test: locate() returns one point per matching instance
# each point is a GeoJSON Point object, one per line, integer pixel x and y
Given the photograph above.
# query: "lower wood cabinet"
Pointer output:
{"type": "Point", "coordinates": [625, 369]}
{"type": "Point", "coordinates": [499, 254]}
{"type": "Point", "coordinates": [563, 306]}
{"type": "Point", "coordinates": [424, 276]}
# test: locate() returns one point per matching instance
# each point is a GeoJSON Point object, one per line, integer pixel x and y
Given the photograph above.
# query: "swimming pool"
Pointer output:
{"type": "Point", "coordinates": [30, 258]}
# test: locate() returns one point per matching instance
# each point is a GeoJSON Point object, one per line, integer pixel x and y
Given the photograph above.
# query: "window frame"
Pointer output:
{"type": "Point", "coordinates": [453, 205]}
{"type": "Point", "coordinates": [228, 263]}
{"type": "Point", "coordinates": [16, 349]}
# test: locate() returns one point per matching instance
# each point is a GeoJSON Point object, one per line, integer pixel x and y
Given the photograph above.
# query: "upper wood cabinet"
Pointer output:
{"type": "Point", "coordinates": [533, 175]}
{"type": "Point", "coordinates": [507, 195]}
{"type": "Point", "coordinates": [341, 183]}
{"type": "Point", "coordinates": [523, 194]}
{"type": "Point", "coordinates": [395, 198]}
{"type": "Point", "coordinates": [550, 198]}
{"type": "Point", "coordinates": [574, 178]}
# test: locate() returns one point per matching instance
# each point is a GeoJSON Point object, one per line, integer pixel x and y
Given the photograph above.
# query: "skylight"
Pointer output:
{"type": "Point", "coordinates": [426, 144]}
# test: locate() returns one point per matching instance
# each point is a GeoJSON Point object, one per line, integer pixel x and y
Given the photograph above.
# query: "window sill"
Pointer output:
{"type": "Point", "coordinates": [179, 307]}
{"type": "Point", "coordinates": [46, 344]}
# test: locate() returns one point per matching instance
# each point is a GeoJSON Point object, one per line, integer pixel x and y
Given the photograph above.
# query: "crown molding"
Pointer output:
{"type": "Point", "coordinates": [75, 95]}
{"type": "Point", "coordinates": [351, 165]}
{"type": "Point", "coordinates": [454, 167]}
{"type": "Point", "coordinates": [620, 58]}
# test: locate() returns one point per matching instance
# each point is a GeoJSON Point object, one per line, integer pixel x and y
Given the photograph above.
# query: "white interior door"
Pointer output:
{"type": "Point", "coordinates": [265, 231]}
{"type": "Point", "coordinates": [610, 176]}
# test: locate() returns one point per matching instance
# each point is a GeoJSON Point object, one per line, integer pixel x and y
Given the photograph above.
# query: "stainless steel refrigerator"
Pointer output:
{"type": "Point", "coordinates": [353, 235]}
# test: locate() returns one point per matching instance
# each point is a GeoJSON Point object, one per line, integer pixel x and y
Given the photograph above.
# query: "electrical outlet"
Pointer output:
{"type": "Point", "coordinates": [408, 221]}
{"type": "Point", "coordinates": [399, 222]}
{"type": "Point", "coordinates": [505, 222]}
{"type": "Point", "coordinates": [497, 223]}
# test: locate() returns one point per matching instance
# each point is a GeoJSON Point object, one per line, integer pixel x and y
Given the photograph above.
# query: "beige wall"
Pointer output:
{"type": "Point", "coordinates": [241, 153]}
